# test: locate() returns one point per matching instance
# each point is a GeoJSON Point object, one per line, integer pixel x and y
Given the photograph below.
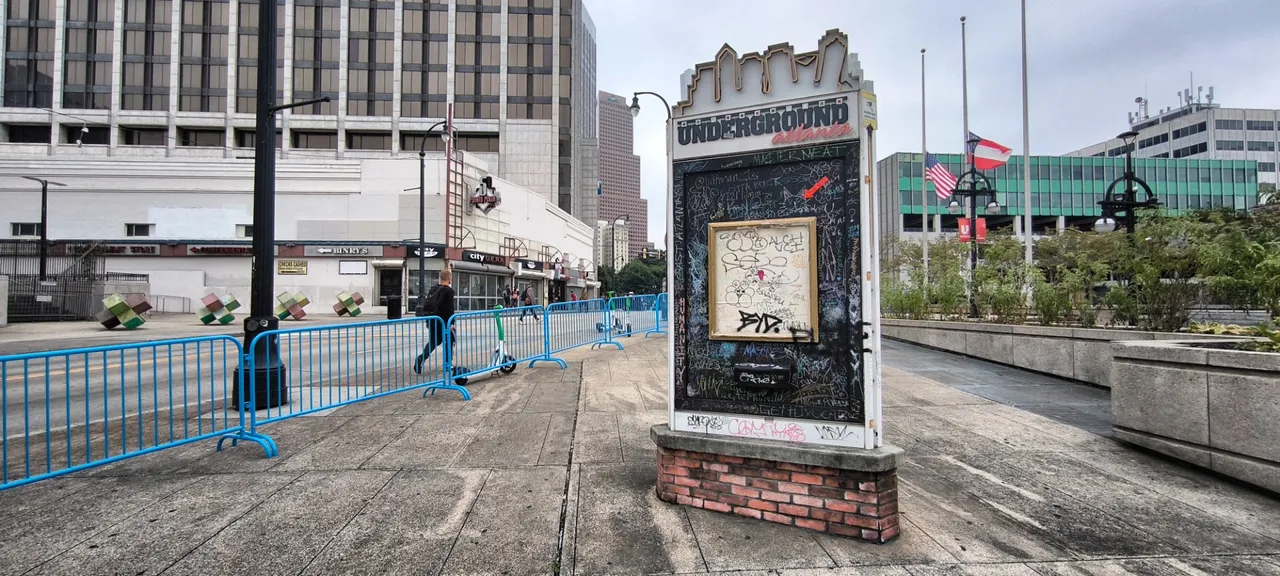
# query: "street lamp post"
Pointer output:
{"type": "Point", "coordinates": [1125, 204]}
{"type": "Point", "coordinates": [613, 240]}
{"type": "Point", "coordinates": [671, 128]}
{"type": "Point", "coordinates": [419, 305]}
{"type": "Point", "coordinates": [972, 186]}
{"type": "Point", "coordinates": [269, 373]}
{"type": "Point", "coordinates": [44, 220]}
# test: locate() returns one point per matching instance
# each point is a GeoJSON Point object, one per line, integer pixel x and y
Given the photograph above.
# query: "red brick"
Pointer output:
{"type": "Point", "coordinates": [841, 506]}
{"type": "Point", "coordinates": [676, 453]}
{"type": "Point", "coordinates": [742, 491]}
{"type": "Point", "coordinates": [867, 486]}
{"type": "Point", "coordinates": [748, 471]}
{"type": "Point", "coordinates": [704, 494]}
{"type": "Point", "coordinates": [733, 499]}
{"type": "Point", "coordinates": [872, 535]}
{"type": "Point", "coordinates": [733, 479]}
{"type": "Point", "coordinates": [688, 462]}
{"type": "Point", "coordinates": [775, 474]}
{"type": "Point", "coordinates": [792, 488]}
{"type": "Point", "coordinates": [793, 510]}
{"type": "Point", "coordinates": [829, 515]}
{"type": "Point", "coordinates": [667, 497]}
{"type": "Point", "coordinates": [664, 460]}
{"type": "Point", "coordinates": [681, 490]}
{"type": "Point", "coordinates": [819, 470]}
{"type": "Point", "coordinates": [666, 478]}
{"type": "Point", "coordinates": [729, 459]}
{"type": "Point", "coordinates": [760, 463]}
{"type": "Point", "coordinates": [687, 501]}
{"type": "Point", "coordinates": [842, 530]}
{"type": "Point", "coordinates": [762, 505]}
{"type": "Point", "coordinates": [861, 521]}
{"type": "Point", "coordinates": [789, 467]}
{"type": "Point", "coordinates": [762, 484]}
{"type": "Point", "coordinates": [862, 497]}
{"type": "Point", "coordinates": [770, 516]}
{"type": "Point", "coordinates": [808, 501]}
{"type": "Point", "coordinates": [716, 466]}
{"type": "Point", "coordinates": [886, 510]}
{"type": "Point", "coordinates": [718, 506]}
{"type": "Point", "coordinates": [888, 534]}
{"type": "Point", "coordinates": [704, 474]}
{"type": "Point", "coordinates": [748, 512]}
{"type": "Point", "coordinates": [811, 524]}
{"type": "Point", "coordinates": [806, 479]}
{"type": "Point", "coordinates": [869, 511]}
{"type": "Point", "coordinates": [715, 486]}
{"type": "Point", "coordinates": [686, 481]}
{"type": "Point", "coordinates": [889, 496]}
{"type": "Point", "coordinates": [823, 492]}
{"type": "Point", "coordinates": [675, 470]}
{"type": "Point", "coordinates": [775, 496]}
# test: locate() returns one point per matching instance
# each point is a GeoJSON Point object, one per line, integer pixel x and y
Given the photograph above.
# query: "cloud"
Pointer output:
{"type": "Point", "coordinates": [1087, 59]}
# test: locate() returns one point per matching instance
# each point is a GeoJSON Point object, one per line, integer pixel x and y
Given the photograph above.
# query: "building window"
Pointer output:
{"type": "Point", "coordinates": [204, 56]}
{"type": "Point", "coordinates": [133, 230]}
{"type": "Point", "coordinates": [193, 137]}
{"type": "Point", "coordinates": [1189, 130]}
{"type": "Point", "coordinates": [144, 136]}
{"type": "Point", "coordinates": [477, 60]}
{"type": "Point", "coordinates": [410, 141]}
{"type": "Point", "coordinates": [1230, 145]}
{"type": "Point", "coordinates": [1152, 141]}
{"type": "Point", "coordinates": [244, 138]}
{"type": "Point", "coordinates": [317, 34]}
{"type": "Point", "coordinates": [147, 39]}
{"type": "Point", "coordinates": [424, 60]}
{"type": "Point", "coordinates": [1266, 167]}
{"type": "Point", "coordinates": [368, 140]}
{"type": "Point", "coordinates": [28, 58]}
{"type": "Point", "coordinates": [478, 142]}
{"type": "Point", "coordinates": [1262, 146]}
{"type": "Point", "coordinates": [1191, 150]}
{"type": "Point", "coordinates": [80, 135]}
{"type": "Point", "coordinates": [1262, 125]}
{"type": "Point", "coordinates": [371, 58]}
{"type": "Point", "coordinates": [244, 230]}
{"type": "Point", "coordinates": [28, 133]}
{"type": "Point", "coordinates": [247, 56]}
{"type": "Point", "coordinates": [1228, 124]}
{"type": "Point", "coordinates": [24, 229]}
{"type": "Point", "coordinates": [86, 80]}
{"type": "Point", "coordinates": [315, 140]}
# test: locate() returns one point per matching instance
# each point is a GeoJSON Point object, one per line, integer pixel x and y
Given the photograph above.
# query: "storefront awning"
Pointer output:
{"type": "Point", "coordinates": [533, 274]}
{"type": "Point", "coordinates": [391, 263]}
{"type": "Point", "coordinates": [482, 268]}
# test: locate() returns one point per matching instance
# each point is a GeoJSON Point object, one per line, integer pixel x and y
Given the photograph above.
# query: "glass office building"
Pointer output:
{"type": "Point", "coordinates": [1065, 190]}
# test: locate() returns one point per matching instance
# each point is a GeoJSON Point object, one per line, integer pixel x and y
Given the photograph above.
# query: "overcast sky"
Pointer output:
{"type": "Point", "coordinates": [1088, 60]}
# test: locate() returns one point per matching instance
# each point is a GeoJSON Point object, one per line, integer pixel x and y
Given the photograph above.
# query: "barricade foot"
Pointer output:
{"type": "Point", "coordinates": [431, 390]}
{"type": "Point", "coordinates": [602, 344]}
{"type": "Point", "coordinates": [655, 331]}
{"type": "Point", "coordinates": [268, 445]}
{"type": "Point", "coordinates": [562, 363]}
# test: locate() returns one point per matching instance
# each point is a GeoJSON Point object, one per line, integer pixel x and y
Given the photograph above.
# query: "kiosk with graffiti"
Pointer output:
{"type": "Point", "coordinates": [763, 280]}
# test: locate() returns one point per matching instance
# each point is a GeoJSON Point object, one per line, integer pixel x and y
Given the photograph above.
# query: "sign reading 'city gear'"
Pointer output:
{"type": "Point", "coordinates": [772, 334]}
{"type": "Point", "coordinates": [483, 258]}
{"type": "Point", "coordinates": [322, 251]}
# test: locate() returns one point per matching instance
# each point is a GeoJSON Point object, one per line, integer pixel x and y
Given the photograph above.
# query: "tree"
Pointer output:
{"type": "Point", "coordinates": [608, 280]}
{"type": "Point", "coordinates": [640, 277]}
{"type": "Point", "coordinates": [1267, 194]}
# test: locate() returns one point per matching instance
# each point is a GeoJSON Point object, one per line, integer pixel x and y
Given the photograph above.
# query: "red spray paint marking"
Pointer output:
{"type": "Point", "coordinates": [808, 194]}
{"type": "Point", "coordinates": [760, 273]}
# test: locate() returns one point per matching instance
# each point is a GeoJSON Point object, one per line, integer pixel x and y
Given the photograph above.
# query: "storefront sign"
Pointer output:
{"type": "Point", "coordinates": [825, 118]}
{"type": "Point", "coordinates": [869, 118]}
{"type": "Point", "coordinates": [486, 197]}
{"type": "Point", "coordinates": [533, 265]}
{"type": "Point", "coordinates": [429, 249]}
{"type": "Point", "coordinates": [483, 258]}
{"type": "Point", "coordinates": [115, 249]}
{"type": "Point", "coordinates": [220, 250]}
{"type": "Point", "coordinates": [291, 267]}
{"type": "Point", "coordinates": [343, 251]}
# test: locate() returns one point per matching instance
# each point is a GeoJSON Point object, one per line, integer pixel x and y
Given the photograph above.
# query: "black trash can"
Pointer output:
{"type": "Point", "coordinates": [393, 307]}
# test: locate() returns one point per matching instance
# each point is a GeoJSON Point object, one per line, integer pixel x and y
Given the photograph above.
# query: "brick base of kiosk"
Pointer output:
{"type": "Point", "coordinates": [844, 491]}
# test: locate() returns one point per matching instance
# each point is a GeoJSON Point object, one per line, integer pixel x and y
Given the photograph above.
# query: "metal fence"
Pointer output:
{"type": "Point", "coordinates": [573, 324]}
{"type": "Point", "coordinates": [496, 341]}
{"type": "Point", "coordinates": [66, 410]}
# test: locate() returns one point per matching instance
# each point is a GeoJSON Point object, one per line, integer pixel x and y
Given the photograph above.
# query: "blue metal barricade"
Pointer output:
{"type": "Point", "coordinates": [573, 324]}
{"type": "Point", "coordinates": [66, 410]}
{"type": "Point", "coordinates": [629, 315]}
{"type": "Point", "coordinates": [498, 340]}
{"type": "Point", "coordinates": [662, 311]}
{"type": "Point", "coordinates": [327, 367]}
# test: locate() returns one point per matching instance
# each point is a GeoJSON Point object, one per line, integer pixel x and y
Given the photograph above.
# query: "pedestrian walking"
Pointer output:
{"type": "Point", "coordinates": [527, 300]}
{"type": "Point", "coordinates": [441, 301]}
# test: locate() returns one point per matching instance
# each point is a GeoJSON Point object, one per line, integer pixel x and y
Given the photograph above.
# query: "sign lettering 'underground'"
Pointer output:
{"type": "Point", "coordinates": [826, 118]}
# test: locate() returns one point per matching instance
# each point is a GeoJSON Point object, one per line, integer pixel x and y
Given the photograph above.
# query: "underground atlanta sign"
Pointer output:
{"type": "Point", "coordinates": [776, 325]}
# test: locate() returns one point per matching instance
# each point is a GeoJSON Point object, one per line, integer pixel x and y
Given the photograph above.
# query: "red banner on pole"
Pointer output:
{"type": "Point", "coordinates": [964, 229]}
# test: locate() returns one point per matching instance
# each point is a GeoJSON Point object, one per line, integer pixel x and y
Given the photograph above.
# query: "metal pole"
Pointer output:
{"type": "Point", "coordinates": [1026, 146]}
{"type": "Point", "coordinates": [44, 226]}
{"type": "Point", "coordinates": [418, 304]}
{"type": "Point", "coordinates": [924, 182]}
{"type": "Point", "coordinates": [1130, 197]}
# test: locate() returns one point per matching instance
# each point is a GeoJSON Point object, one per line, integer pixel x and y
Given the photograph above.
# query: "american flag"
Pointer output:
{"type": "Point", "coordinates": [942, 180]}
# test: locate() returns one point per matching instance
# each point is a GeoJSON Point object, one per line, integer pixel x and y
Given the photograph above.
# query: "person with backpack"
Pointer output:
{"type": "Point", "coordinates": [440, 301]}
{"type": "Point", "coordinates": [527, 300]}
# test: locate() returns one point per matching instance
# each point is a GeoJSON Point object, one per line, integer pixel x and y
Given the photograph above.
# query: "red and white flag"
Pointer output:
{"type": "Point", "coordinates": [987, 155]}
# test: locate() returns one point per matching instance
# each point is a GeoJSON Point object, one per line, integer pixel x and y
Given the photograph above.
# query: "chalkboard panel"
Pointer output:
{"type": "Point", "coordinates": [763, 282]}
{"type": "Point", "coordinates": [821, 183]}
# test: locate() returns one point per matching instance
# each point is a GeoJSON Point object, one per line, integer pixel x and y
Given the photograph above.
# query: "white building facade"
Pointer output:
{"type": "Point", "coordinates": [341, 226]}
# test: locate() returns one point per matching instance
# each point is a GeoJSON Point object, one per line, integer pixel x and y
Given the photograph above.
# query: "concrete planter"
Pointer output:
{"type": "Point", "coordinates": [1218, 409]}
{"type": "Point", "coordinates": [1082, 354]}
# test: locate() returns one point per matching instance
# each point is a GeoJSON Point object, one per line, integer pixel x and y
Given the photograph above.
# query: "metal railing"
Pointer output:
{"type": "Point", "coordinates": [573, 324]}
{"type": "Point", "coordinates": [66, 410]}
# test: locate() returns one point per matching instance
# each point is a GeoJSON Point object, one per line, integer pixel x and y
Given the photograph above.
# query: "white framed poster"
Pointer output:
{"type": "Point", "coordinates": [763, 279]}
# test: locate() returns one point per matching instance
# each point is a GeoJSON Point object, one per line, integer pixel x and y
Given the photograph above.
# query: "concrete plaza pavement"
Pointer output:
{"type": "Point", "coordinates": [552, 471]}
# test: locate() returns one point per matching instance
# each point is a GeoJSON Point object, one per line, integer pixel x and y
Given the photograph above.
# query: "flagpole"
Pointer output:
{"type": "Point", "coordinates": [924, 180]}
{"type": "Point", "coordinates": [1026, 145]}
{"type": "Point", "coordinates": [972, 212]}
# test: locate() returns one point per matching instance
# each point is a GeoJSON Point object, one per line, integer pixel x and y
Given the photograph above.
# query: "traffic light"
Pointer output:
{"type": "Point", "coordinates": [644, 253]}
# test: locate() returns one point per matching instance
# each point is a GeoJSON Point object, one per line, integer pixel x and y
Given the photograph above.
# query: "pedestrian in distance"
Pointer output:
{"type": "Point", "coordinates": [440, 301]}
{"type": "Point", "coordinates": [527, 300]}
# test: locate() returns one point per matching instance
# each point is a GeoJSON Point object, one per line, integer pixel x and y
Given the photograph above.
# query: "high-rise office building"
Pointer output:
{"type": "Point", "coordinates": [620, 171]}
{"type": "Point", "coordinates": [177, 78]}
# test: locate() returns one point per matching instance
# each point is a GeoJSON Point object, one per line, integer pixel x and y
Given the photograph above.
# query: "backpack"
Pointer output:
{"type": "Point", "coordinates": [431, 305]}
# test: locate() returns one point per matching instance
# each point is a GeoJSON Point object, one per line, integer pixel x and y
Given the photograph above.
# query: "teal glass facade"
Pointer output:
{"type": "Point", "coordinates": [1072, 186]}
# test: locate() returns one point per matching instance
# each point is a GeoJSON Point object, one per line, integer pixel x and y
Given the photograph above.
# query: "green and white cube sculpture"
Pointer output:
{"type": "Point", "coordinates": [121, 311]}
{"type": "Point", "coordinates": [291, 305]}
{"type": "Point", "coordinates": [348, 303]}
{"type": "Point", "coordinates": [217, 309]}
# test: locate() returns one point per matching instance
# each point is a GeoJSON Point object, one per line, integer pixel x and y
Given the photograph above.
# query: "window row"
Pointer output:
{"type": "Point", "coordinates": [1189, 130]}
{"type": "Point", "coordinates": [1163, 173]}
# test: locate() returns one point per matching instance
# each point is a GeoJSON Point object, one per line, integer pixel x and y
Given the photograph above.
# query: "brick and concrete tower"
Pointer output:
{"type": "Point", "coordinates": [620, 172]}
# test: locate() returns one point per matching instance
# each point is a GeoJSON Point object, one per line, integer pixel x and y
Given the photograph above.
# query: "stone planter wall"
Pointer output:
{"type": "Point", "coordinates": [1218, 409]}
{"type": "Point", "coordinates": [1082, 354]}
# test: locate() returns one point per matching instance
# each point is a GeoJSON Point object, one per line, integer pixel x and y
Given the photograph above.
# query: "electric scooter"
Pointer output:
{"type": "Point", "coordinates": [500, 361]}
